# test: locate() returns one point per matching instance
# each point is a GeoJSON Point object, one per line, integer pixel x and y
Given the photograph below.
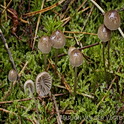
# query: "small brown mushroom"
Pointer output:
{"type": "Point", "coordinates": [57, 39]}
{"type": "Point", "coordinates": [112, 20]}
{"type": "Point", "coordinates": [76, 58]}
{"type": "Point", "coordinates": [70, 50]}
{"type": "Point", "coordinates": [104, 34]}
{"type": "Point", "coordinates": [29, 85]}
{"type": "Point", "coordinates": [43, 83]}
{"type": "Point", "coordinates": [12, 76]}
{"type": "Point", "coordinates": [44, 44]}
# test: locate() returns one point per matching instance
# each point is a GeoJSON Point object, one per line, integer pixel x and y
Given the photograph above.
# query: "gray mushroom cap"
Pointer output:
{"type": "Point", "coordinates": [12, 76]}
{"type": "Point", "coordinates": [76, 58]}
{"type": "Point", "coordinates": [44, 45]}
{"type": "Point", "coordinates": [58, 39]}
{"type": "Point", "coordinates": [104, 34]}
{"type": "Point", "coordinates": [70, 50]}
{"type": "Point", "coordinates": [43, 83]}
{"type": "Point", "coordinates": [112, 20]}
{"type": "Point", "coordinates": [29, 86]}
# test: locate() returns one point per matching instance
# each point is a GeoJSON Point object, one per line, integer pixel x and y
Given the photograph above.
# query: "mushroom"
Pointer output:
{"type": "Point", "coordinates": [76, 59]}
{"type": "Point", "coordinates": [43, 83]}
{"type": "Point", "coordinates": [12, 76]}
{"type": "Point", "coordinates": [29, 86]}
{"type": "Point", "coordinates": [112, 20]}
{"type": "Point", "coordinates": [58, 41]}
{"type": "Point", "coordinates": [104, 34]}
{"type": "Point", "coordinates": [44, 45]}
{"type": "Point", "coordinates": [70, 50]}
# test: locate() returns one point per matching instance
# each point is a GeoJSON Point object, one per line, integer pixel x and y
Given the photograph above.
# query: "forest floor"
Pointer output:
{"type": "Point", "coordinates": [99, 97]}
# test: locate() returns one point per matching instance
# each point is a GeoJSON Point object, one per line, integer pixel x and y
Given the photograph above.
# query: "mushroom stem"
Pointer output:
{"type": "Point", "coordinates": [45, 61]}
{"type": "Point", "coordinates": [11, 87]}
{"type": "Point", "coordinates": [75, 80]}
{"type": "Point", "coordinates": [108, 55]}
{"type": "Point", "coordinates": [30, 92]}
{"type": "Point", "coordinates": [56, 59]}
{"type": "Point", "coordinates": [103, 55]}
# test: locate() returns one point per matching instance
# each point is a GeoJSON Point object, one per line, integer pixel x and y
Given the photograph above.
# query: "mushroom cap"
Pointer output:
{"type": "Point", "coordinates": [12, 76]}
{"type": "Point", "coordinates": [104, 33]}
{"type": "Point", "coordinates": [76, 58]}
{"type": "Point", "coordinates": [70, 50]}
{"type": "Point", "coordinates": [44, 44]}
{"type": "Point", "coordinates": [29, 84]}
{"type": "Point", "coordinates": [43, 83]}
{"type": "Point", "coordinates": [112, 20]}
{"type": "Point", "coordinates": [58, 39]}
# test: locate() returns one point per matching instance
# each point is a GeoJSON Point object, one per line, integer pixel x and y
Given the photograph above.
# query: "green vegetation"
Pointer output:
{"type": "Point", "coordinates": [100, 98]}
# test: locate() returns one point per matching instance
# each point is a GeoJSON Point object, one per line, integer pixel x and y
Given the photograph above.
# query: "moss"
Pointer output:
{"type": "Point", "coordinates": [91, 76]}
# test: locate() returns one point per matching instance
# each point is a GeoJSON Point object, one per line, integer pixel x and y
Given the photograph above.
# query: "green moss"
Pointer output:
{"type": "Point", "coordinates": [91, 76]}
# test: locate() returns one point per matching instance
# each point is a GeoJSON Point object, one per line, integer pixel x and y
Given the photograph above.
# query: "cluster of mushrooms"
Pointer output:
{"type": "Point", "coordinates": [112, 22]}
{"type": "Point", "coordinates": [43, 83]}
{"type": "Point", "coordinates": [57, 40]}
{"type": "Point", "coordinates": [44, 80]}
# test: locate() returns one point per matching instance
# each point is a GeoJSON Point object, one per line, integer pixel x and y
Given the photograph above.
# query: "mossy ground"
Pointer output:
{"type": "Point", "coordinates": [91, 75]}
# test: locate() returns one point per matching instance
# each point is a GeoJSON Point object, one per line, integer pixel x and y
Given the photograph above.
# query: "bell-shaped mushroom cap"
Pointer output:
{"type": "Point", "coordinates": [44, 44]}
{"type": "Point", "coordinates": [104, 34]}
{"type": "Point", "coordinates": [29, 86]}
{"type": "Point", "coordinates": [43, 83]}
{"type": "Point", "coordinates": [70, 50]}
{"type": "Point", "coordinates": [112, 20]}
{"type": "Point", "coordinates": [58, 39]}
{"type": "Point", "coordinates": [12, 76]}
{"type": "Point", "coordinates": [76, 58]}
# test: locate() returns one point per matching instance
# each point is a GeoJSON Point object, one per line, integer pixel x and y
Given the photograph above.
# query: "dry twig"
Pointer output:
{"type": "Point", "coordinates": [38, 22]}
{"type": "Point", "coordinates": [27, 99]}
{"type": "Point", "coordinates": [8, 50]}
{"type": "Point", "coordinates": [57, 110]}
{"type": "Point", "coordinates": [44, 10]}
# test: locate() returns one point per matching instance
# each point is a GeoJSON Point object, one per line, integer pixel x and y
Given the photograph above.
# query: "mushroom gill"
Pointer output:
{"type": "Point", "coordinates": [43, 83]}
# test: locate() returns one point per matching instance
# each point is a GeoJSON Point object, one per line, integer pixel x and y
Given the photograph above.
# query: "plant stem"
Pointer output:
{"type": "Point", "coordinates": [45, 61]}
{"type": "Point", "coordinates": [37, 26]}
{"type": "Point", "coordinates": [75, 80]}
{"type": "Point", "coordinates": [121, 32]}
{"type": "Point", "coordinates": [97, 6]}
{"type": "Point", "coordinates": [56, 59]}
{"type": "Point", "coordinates": [57, 109]}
